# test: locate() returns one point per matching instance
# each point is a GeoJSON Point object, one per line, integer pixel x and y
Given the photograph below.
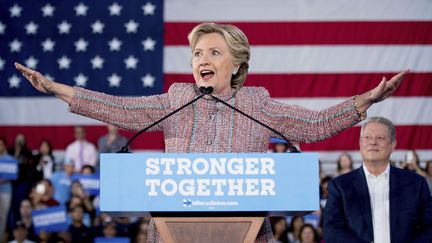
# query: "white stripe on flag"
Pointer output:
{"type": "Point", "coordinates": [295, 10]}
{"type": "Point", "coordinates": [319, 59]}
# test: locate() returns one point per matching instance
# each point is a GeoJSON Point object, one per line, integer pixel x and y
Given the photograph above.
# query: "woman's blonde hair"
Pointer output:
{"type": "Point", "coordinates": [237, 43]}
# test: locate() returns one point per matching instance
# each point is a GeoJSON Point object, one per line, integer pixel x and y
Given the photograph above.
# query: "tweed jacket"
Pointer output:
{"type": "Point", "coordinates": [208, 126]}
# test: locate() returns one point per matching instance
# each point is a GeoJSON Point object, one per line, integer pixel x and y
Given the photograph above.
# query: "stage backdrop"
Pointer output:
{"type": "Point", "coordinates": [310, 53]}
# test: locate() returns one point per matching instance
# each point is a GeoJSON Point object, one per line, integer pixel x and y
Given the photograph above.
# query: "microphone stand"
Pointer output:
{"type": "Point", "coordinates": [203, 90]}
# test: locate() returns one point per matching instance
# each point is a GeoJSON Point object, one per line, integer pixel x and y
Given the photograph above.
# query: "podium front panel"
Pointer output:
{"type": "Point", "coordinates": [227, 182]}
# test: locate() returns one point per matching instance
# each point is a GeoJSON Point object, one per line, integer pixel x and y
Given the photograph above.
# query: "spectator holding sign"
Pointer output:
{"type": "Point", "coordinates": [5, 191]}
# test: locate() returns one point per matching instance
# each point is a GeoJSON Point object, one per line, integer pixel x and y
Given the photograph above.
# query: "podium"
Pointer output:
{"type": "Point", "coordinates": [209, 197]}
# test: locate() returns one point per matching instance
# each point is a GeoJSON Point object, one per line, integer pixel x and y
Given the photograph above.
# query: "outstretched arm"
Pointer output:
{"type": "Point", "coordinates": [44, 85]}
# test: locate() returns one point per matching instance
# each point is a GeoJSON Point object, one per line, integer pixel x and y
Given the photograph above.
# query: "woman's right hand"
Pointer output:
{"type": "Point", "coordinates": [36, 79]}
{"type": "Point", "coordinates": [44, 85]}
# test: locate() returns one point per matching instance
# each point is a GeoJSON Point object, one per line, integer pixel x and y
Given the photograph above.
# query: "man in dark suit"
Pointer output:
{"type": "Point", "coordinates": [378, 202]}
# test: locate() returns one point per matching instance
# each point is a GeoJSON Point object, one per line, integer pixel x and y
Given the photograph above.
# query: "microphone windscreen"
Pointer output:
{"type": "Point", "coordinates": [206, 90]}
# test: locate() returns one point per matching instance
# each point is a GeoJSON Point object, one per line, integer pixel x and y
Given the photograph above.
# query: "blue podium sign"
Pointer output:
{"type": "Point", "coordinates": [241, 182]}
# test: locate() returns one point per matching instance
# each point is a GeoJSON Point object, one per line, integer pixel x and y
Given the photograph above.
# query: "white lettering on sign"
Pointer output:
{"type": "Point", "coordinates": [212, 166]}
{"type": "Point", "coordinates": [206, 169]}
{"type": "Point", "coordinates": [207, 187]}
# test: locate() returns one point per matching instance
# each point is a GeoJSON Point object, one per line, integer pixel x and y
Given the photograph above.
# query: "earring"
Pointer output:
{"type": "Point", "coordinates": [235, 70]}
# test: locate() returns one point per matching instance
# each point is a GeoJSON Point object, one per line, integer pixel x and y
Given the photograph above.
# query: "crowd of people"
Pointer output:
{"type": "Point", "coordinates": [42, 183]}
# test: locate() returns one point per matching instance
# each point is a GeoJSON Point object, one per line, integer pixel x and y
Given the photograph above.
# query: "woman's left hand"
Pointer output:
{"type": "Point", "coordinates": [381, 92]}
{"type": "Point", "coordinates": [386, 87]}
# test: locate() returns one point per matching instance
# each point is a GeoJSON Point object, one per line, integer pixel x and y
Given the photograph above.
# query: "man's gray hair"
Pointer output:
{"type": "Point", "coordinates": [386, 122]}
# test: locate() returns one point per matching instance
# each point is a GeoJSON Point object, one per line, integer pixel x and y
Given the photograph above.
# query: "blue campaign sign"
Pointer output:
{"type": "Point", "coordinates": [8, 168]}
{"type": "Point", "coordinates": [112, 240]}
{"type": "Point", "coordinates": [161, 182]}
{"type": "Point", "coordinates": [90, 183]}
{"type": "Point", "coordinates": [52, 219]}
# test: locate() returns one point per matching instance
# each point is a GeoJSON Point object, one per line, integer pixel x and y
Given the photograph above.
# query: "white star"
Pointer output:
{"type": "Point", "coordinates": [48, 45]}
{"type": "Point", "coordinates": [115, 9]}
{"type": "Point", "coordinates": [31, 28]}
{"type": "Point", "coordinates": [64, 62]}
{"type": "Point", "coordinates": [148, 44]}
{"type": "Point", "coordinates": [15, 46]}
{"type": "Point", "coordinates": [97, 27]}
{"type": "Point", "coordinates": [80, 80]}
{"type": "Point", "coordinates": [81, 45]}
{"type": "Point", "coordinates": [2, 63]}
{"type": "Point", "coordinates": [131, 26]}
{"type": "Point", "coordinates": [47, 10]}
{"type": "Point", "coordinates": [148, 80]}
{"type": "Point", "coordinates": [97, 62]}
{"type": "Point", "coordinates": [14, 82]}
{"type": "Point", "coordinates": [2, 28]}
{"type": "Point", "coordinates": [148, 8]}
{"type": "Point", "coordinates": [115, 44]}
{"type": "Point", "coordinates": [48, 76]}
{"type": "Point", "coordinates": [81, 9]}
{"type": "Point", "coordinates": [114, 80]}
{"type": "Point", "coordinates": [64, 27]}
{"type": "Point", "coordinates": [15, 11]}
{"type": "Point", "coordinates": [131, 62]}
{"type": "Point", "coordinates": [31, 62]}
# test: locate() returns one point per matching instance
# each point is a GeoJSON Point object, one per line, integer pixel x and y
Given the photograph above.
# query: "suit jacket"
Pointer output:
{"type": "Point", "coordinates": [348, 216]}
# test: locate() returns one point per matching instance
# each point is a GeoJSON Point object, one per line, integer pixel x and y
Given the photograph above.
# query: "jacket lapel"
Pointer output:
{"type": "Point", "coordinates": [361, 187]}
{"type": "Point", "coordinates": [393, 202]}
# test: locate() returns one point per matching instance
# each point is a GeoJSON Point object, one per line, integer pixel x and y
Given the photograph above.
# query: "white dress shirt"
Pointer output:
{"type": "Point", "coordinates": [379, 188]}
{"type": "Point", "coordinates": [81, 153]}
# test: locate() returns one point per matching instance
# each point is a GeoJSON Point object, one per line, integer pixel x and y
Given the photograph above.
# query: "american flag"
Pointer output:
{"type": "Point", "coordinates": [311, 53]}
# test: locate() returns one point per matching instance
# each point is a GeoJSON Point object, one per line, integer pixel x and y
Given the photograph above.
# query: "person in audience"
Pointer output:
{"type": "Point", "coordinates": [428, 174]}
{"type": "Point", "coordinates": [25, 216]}
{"type": "Point", "coordinates": [42, 193]}
{"type": "Point", "coordinates": [280, 148]}
{"type": "Point", "coordinates": [81, 152]}
{"type": "Point", "coordinates": [109, 229]}
{"type": "Point", "coordinates": [20, 233]}
{"type": "Point", "coordinates": [78, 230]}
{"type": "Point", "coordinates": [44, 160]}
{"type": "Point", "coordinates": [27, 174]}
{"type": "Point", "coordinates": [5, 191]}
{"type": "Point", "coordinates": [324, 190]}
{"type": "Point", "coordinates": [308, 234]}
{"type": "Point", "coordinates": [378, 202]}
{"type": "Point", "coordinates": [294, 229]}
{"type": "Point", "coordinates": [62, 181]}
{"type": "Point", "coordinates": [77, 202]}
{"type": "Point", "coordinates": [87, 170]}
{"type": "Point", "coordinates": [345, 164]}
{"type": "Point", "coordinates": [412, 163]}
{"type": "Point", "coordinates": [139, 230]}
{"type": "Point", "coordinates": [279, 227]}
{"type": "Point", "coordinates": [111, 142]}
{"type": "Point", "coordinates": [77, 191]}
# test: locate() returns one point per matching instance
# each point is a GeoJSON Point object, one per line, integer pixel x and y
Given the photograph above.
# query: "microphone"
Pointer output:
{"type": "Point", "coordinates": [203, 90]}
{"type": "Point", "coordinates": [291, 147]}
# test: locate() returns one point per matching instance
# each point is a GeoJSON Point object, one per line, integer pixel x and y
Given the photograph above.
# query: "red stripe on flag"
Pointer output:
{"type": "Point", "coordinates": [319, 33]}
{"type": "Point", "coordinates": [408, 137]}
{"type": "Point", "coordinates": [325, 85]}
{"type": "Point", "coordinates": [61, 136]}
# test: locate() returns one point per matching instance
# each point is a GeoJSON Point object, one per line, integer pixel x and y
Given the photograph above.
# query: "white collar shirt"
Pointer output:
{"type": "Point", "coordinates": [379, 187]}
